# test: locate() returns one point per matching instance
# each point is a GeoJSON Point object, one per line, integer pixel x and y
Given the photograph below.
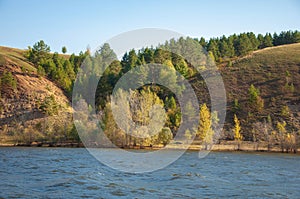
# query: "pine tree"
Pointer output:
{"type": "Point", "coordinates": [260, 39]}
{"type": "Point", "coordinates": [230, 43]}
{"type": "Point", "coordinates": [69, 70]}
{"type": "Point", "coordinates": [224, 49]}
{"type": "Point", "coordinates": [268, 40]}
{"type": "Point", "coordinates": [148, 55]}
{"type": "Point", "coordinates": [296, 36]}
{"type": "Point", "coordinates": [253, 94]}
{"type": "Point", "coordinates": [64, 49]}
{"type": "Point", "coordinates": [202, 42]}
{"type": "Point", "coordinates": [39, 53]}
{"type": "Point", "coordinates": [256, 101]}
{"type": "Point", "coordinates": [244, 45]}
{"type": "Point", "coordinates": [161, 55]}
{"type": "Point", "coordinates": [182, 67]}
{"type": "Point", "coordinates": [253, 40]}
{"type": "Point", "coordinates": [129, 61]}
{"type": "Point", "coordinates": [212, 46]}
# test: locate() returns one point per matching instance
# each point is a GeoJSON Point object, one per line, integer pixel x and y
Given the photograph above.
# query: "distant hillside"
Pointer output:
{"type": "Point", "coordinates": [275, 72]}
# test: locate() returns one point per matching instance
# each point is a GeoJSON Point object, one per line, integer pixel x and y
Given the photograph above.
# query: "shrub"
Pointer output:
{"type": "Point", "coordinates": [41, 71]}
{"type": "Point", "coordinates": [49, 106]}
{"type": "Point", "coordinates": [285, 111]}
{"type": "Point", "coordinates": [253, 94]}
{"type": "Point", "coordinates": [236, 105]}
{"type": "Point", "coordinates": [7, 80]}
{"type": "Point", "coordinates": [256, 101]}
{"type": "Point", "coordinates": [165, 136]}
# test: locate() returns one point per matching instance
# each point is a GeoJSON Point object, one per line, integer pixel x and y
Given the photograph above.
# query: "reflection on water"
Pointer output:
{"type": "Point", "coordinates": [70, 173]}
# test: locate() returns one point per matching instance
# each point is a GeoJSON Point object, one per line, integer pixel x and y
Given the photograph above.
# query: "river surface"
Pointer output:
{"type": "Point", "coordinates": [74, 173]}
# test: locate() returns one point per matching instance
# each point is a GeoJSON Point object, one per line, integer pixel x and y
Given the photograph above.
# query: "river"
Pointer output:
{"type": "Point", "coordinates": [74, 173]}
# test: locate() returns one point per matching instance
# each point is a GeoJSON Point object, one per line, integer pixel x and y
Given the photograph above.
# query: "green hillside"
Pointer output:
{"type": "Point", "coordinates": [30, 100]}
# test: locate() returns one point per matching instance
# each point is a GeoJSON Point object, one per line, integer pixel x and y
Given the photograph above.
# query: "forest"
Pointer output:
{"type": "Point", "coordinates": [225, 51]}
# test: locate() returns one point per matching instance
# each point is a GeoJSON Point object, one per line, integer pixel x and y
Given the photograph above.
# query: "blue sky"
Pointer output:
{"type": "Point", "coordinates": [77, 24]}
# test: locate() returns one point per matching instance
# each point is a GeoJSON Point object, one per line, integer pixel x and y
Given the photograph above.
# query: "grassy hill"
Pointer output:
{"type": "Point", "coordinates": [24, 109]}
{"type": "Point", "coordinates": [275, 72]}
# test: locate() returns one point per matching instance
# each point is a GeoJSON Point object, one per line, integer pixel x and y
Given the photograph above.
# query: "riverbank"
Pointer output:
{"type": "Point", "coordinates": [47, 144]}
{"type": "Point", "coordinates": [223, 146]}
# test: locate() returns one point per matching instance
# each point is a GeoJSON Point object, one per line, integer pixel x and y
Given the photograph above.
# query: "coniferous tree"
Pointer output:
{"type": "Point", "coordinates": [244, 45]}
{"type": "Point", "coordinates": [260, 39]}
{"type": "Point", "coordinates": [296, 36]}
{"type": "Point", "coordinates": [230, 44]}
{"type": "Point", "coordinates": [39, 53]}
{"type": "Point", "coordinates": [212, 46]}
{"type": "Point", "coordinates": [203, 42]}
{"type": "Point", "coordinates": [129, 61]}
{"type": "Point", "coordinates": [253, 40]}
{"type": "Point", "coordinates": [161, 55]}
{"type": "Point", "coordinates": [224, 48]}
{"type": "Point", "coordinates": [148, 55]}
{"type": "Point", "coordinates": [64, 50]}
{"type": "Point", "coordinates": [268, 40]}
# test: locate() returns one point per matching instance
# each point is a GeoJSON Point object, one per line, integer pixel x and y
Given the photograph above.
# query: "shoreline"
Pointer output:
{"type": "Point", "coordinates": [227, 147]}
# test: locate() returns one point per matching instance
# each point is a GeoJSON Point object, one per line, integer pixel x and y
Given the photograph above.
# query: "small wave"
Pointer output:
{"type": "Point", "coordinates": [111, 185]}
{"type": "Point", "coordinates": [118, 193]}
{"type": "Point", "coordinates": [93, 188]}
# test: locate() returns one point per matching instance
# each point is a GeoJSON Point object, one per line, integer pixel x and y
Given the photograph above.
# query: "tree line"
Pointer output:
{"type": "Point", "coordinates": [60, 69]}
{"type": "Point", "coordinates": [63, 70]}
{"type": "Point", "coordinates": [242, 44]}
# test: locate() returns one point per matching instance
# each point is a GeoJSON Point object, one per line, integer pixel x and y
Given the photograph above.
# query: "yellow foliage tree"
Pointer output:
{"type": "Point", "coordinates": [281, 133]}
{"type": "Point", "coordinates": [205, 132]}
{"type": "Point", "coordinates": [237, 131]}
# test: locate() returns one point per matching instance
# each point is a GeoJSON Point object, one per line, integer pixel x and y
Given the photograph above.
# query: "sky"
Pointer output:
{"type": "Point", "coordinates": [77, 24]}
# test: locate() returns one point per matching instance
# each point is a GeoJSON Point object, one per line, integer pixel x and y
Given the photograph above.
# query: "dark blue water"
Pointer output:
{"type": "Point", "coordinates": [74, 173]}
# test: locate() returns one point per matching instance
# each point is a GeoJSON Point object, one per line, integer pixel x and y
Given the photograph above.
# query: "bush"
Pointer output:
{"type": "Point", "coordinates": [236, 105]}
{"type": "Point", "coordinates": [255, 100]}
{"type": "Point", "coordinates": [165, 136]}
{"type": "Point", "coordinates": [41, 71]}
{"type": "Point", "coordinates": [253, 94]}
{"type": "Point", "coordinates": [7, 80]}
{"type": "Point", "coordinates": [49, 106]}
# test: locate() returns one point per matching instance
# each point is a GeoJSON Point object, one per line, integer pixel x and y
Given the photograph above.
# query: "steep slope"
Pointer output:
{"type": "Point", "coordinates": [25, 108]}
